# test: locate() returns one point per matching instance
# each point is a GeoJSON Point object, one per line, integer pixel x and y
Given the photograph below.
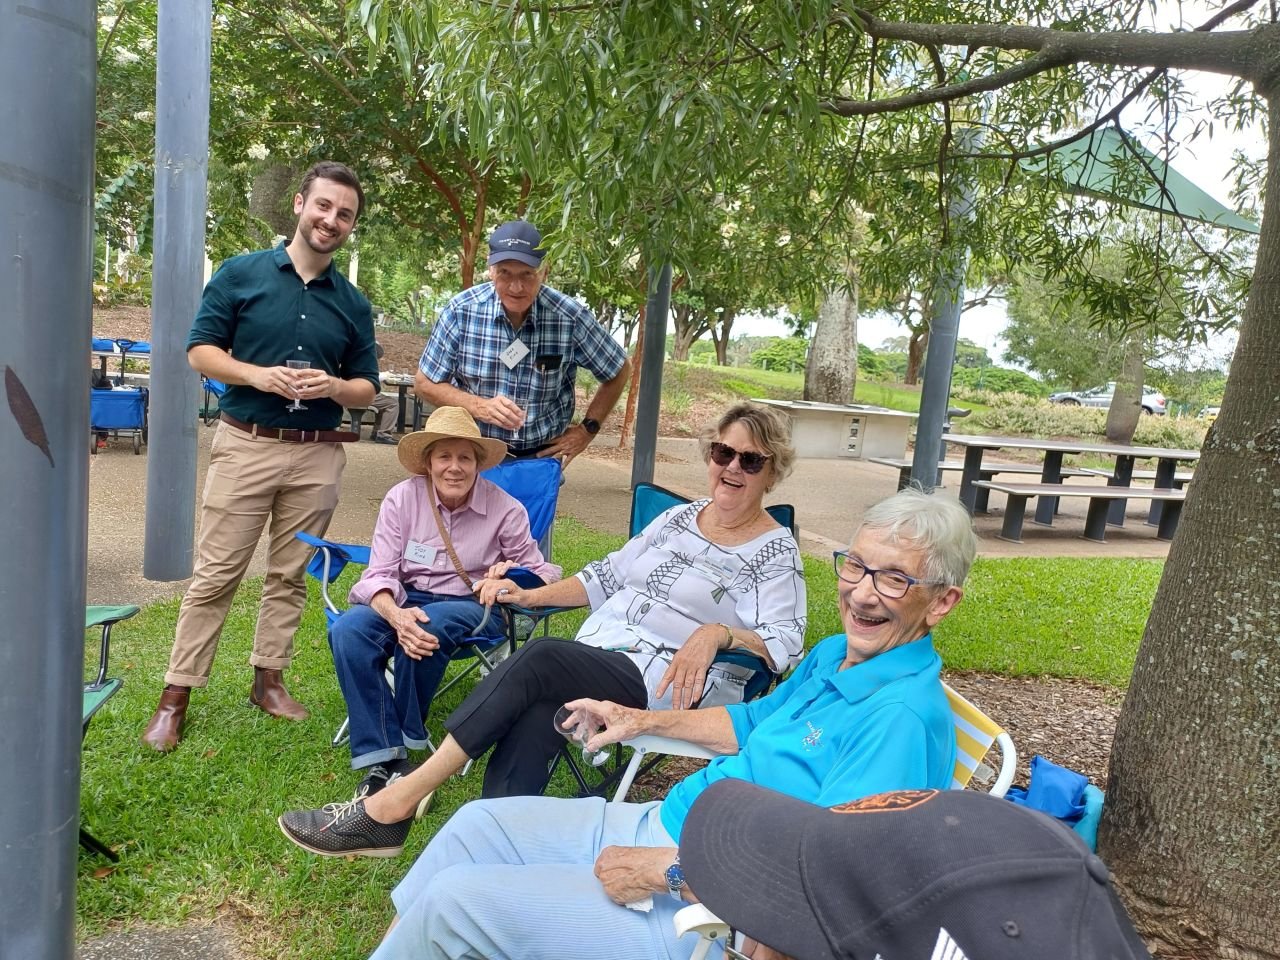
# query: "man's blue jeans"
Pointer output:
{"type": "Point", "coordinates": [384, 726]}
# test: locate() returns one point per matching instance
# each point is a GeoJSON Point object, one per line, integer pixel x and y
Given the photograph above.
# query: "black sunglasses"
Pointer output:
{"type": "Point", "coordinates": [748, 460]}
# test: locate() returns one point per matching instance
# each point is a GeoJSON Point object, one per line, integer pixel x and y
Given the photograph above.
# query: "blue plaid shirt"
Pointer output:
{"type": "Point", "coordinates": [561, 335]}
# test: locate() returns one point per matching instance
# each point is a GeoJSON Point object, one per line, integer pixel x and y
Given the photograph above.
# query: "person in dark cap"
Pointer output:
{"type": "Point", "coordinates": [508, 351]}
{"type": "Point", "coordinates": [908, 875]}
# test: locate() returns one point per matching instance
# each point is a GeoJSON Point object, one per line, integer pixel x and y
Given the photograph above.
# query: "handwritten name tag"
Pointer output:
{"type": "Point", "coordinates": [421, 553]}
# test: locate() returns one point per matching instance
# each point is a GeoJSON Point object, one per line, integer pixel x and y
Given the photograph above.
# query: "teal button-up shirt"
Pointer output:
{"type": "Point", "coordinates": [827, 735]}
{"type": "Point", "coordinates": [257, 307]}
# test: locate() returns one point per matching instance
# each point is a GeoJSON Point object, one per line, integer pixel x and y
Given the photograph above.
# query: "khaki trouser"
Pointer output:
{"type": "Point", "coordinates": [251, 480]}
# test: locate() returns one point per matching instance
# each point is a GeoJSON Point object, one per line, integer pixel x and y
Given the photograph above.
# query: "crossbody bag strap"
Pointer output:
{"type": "Point", "coordinates": [444, 535]}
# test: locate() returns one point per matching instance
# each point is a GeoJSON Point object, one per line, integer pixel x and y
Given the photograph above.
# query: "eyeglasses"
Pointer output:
{"type": "Point", "coordinates": [890, 584]}
{"type": "Point", "coordinates": [748, 460]}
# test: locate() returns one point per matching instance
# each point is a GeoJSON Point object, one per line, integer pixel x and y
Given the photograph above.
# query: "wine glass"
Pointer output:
{"type": "Point", "coordinates": [579, 726]}
{"type": "Point", "coordinates": [297, 365]}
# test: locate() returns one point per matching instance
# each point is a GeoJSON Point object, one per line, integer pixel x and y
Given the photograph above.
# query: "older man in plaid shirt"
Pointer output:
{"type": "Point", "coordinates": [508, 352]}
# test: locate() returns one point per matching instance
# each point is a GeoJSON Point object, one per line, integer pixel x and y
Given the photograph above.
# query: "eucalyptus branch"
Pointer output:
{"type": "Point", "coordinates": [1036, 64]}
{"type": "Point", "coordinates": [1114, 113]}
{"type": "Point", "coordinates": [106, 41]}
{"type": "Point", "coordinates": [1250, 54]}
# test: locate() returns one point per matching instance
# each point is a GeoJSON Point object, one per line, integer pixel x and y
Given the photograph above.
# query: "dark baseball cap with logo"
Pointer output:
{"type": "Point", "coordinates": [911, 875]}
{"type": "Point", "coordinates": [516, 240]}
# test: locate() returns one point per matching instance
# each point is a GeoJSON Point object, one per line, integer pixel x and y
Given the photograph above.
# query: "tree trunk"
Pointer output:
{"type": "Point", "coordinates": [269, 194]}
{"type": "Point", "coordinates": [1193, 798]}
{"type": "Point", "coordinates": [633, 391]}
{"type": "Point", "coordinates": [831, 370]}
{"type": "Point", "coordinates": [1126, 402]}
{"type": "Point", "coordinates": [720, 336]}
{"type": "Point", "coordinates": [689, 327]}
{"type": "Point", "coordinates": [916, 347]}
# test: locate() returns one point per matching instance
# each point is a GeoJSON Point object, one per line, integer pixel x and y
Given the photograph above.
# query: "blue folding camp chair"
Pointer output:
{"type": "Point", "coordinates": [536, 484]}
{"type": "Point", "coordinates": [213, 391]}
{"type": "Point", "coordinates": [648, 500]}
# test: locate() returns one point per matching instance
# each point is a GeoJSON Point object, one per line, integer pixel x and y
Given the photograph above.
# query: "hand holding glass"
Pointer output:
{"type": "Point", "coordinates": [297, 365]}
{"type": "Point", "coordinates": [579, 726]}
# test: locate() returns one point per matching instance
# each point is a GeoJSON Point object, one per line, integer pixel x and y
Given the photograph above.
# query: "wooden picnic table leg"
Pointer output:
{"type": "Point", "coordinates": [1165, 471]}
{"type": "Point", "coordinates": [1122, 477]}
{"type": "Point", "coordinates": [1095, 521]}
{"type": "Point", "coordinates": [904, 477]}
{"type": "Point", "coordinates": [972, 470]}
{"type": "Point", "coordinates": [1051, 472]}
{"type": "Point", "coordinates": [1015, 509]}
{"type": "Point", "coordinates": [1169, 519]}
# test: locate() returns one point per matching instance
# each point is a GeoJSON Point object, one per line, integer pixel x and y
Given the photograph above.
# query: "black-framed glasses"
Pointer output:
{"type": "Point", "coordinates": [748, 460]}
{"type": "Point", "coordinates": [891, 584]}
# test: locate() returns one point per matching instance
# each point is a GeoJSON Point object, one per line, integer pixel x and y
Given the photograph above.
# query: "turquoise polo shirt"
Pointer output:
{"type": "Point", "coordinates": [827, 735]}
{"type": "Point", "coordinates": [257, 307]}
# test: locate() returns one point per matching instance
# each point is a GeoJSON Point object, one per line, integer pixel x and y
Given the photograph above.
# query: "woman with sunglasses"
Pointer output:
{"type": "Point", "coordinates": [703, 577]}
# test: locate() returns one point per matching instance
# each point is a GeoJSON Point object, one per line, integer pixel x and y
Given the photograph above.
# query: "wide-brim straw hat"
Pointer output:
{"type": "Point", "coordinates": [447, 423]}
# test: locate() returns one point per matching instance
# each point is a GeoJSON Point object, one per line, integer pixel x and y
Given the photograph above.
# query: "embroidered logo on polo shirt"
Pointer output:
{"type": "Point", "coordinates": [813, 739]}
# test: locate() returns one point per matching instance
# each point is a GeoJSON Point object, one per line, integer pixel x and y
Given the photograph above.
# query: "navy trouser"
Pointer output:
{"type": "Point", "coordinates": [384, 726]}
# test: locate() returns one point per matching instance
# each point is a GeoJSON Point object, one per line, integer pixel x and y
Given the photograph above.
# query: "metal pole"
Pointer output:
{"type": "Point", "coordinates": [48, 65]}
{"type": "Point", "coordinates": [650, 399]}
{"type": "Point", "coordinates": [943, 332]}
{"type": "Point", "coordinates": [182, 155]}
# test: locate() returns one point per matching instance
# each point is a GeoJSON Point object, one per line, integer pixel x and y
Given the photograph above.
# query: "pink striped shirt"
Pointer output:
{"type": "Point", "coordinates": [490, 527]}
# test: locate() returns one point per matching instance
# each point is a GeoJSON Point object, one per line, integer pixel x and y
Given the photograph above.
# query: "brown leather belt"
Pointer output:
{"type": "Point", "coordinates": [288, 435]}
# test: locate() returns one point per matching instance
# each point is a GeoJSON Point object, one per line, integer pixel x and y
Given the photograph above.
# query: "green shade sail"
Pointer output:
{"type": "Point", "coordinates": [1112, 165]}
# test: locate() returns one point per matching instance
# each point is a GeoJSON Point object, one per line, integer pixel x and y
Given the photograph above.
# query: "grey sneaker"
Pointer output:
{"type": "Point", "coordinates": [344, 829]}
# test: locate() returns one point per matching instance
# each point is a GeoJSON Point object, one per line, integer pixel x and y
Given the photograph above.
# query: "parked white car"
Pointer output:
{"type": "Point", "coordinates": [1153, 400]}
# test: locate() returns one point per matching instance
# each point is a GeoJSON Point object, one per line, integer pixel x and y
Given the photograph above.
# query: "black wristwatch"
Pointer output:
{"type": "Point", "coordinates": [591, 426]}
{"type": "Point", "coordinates": [675, 879]}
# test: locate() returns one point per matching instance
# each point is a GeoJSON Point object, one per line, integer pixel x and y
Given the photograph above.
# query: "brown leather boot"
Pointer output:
{"type": "Point", "coordinates": [165, 729]}
{"type": "Point", "coordinates": [270, 695]}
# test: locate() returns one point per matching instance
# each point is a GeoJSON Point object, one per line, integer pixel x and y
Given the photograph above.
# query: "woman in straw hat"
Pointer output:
{"type": "Point", "coordinates": [438, 533]}
{"type": "Point", "coordinates": [711, 575]}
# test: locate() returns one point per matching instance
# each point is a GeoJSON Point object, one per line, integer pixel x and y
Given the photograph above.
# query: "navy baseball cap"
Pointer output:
{"type": "Point", "coordinates": [908, 875]}
{"type": "Point", "coordinates": [516, 240]}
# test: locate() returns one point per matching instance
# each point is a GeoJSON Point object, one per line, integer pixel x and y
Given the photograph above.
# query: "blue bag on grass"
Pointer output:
{"type": "Point", "coordinates": [1064, 795]}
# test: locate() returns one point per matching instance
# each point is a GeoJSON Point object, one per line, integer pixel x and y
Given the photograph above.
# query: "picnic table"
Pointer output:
{"type": "Point", "coordinates": [403, 382]}
{"type": "Point", "coordinates": [975, 447]}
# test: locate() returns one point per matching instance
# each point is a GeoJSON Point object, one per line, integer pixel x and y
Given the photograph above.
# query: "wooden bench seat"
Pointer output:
{"type": "Point", "coordinates": [1179, 478]}
{"type": "Point", "coordinates": [988, 471]}
{"type": "Point", "coordinates": [1100, 500]}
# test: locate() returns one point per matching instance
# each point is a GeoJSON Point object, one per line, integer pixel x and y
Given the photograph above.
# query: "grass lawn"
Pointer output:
{"type": "Point", "coordinates": [196, 829]}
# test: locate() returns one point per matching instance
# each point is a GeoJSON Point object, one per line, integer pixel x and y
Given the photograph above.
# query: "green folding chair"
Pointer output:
{"type": "Point", "coordinates": [101, 689]}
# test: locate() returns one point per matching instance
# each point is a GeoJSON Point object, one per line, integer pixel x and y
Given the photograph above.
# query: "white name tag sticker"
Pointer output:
{"type": "Point", "coordinates": [717, 571]}
{"type": "Point", "coordinates": [515, 352]}
{"type": "Point", "coordinates": [421, 553]}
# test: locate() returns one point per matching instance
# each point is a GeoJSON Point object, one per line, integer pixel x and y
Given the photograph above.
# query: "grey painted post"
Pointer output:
{"type": "Point", "coordinates": [48, 60]}
{"type": "Point", "coordinates": [650, 399]}
{"type": "Point", "coordinates": [182, 154]}
{"type": "Point", "coordinates": [943, 332]}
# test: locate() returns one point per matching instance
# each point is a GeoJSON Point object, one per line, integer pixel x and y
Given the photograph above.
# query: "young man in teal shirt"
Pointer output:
{"type": "Point", "coordinates": [293, 340]}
